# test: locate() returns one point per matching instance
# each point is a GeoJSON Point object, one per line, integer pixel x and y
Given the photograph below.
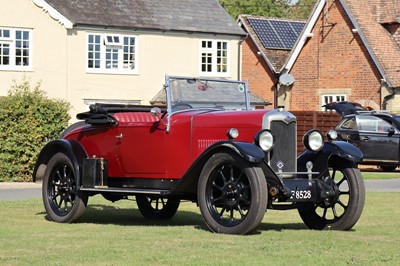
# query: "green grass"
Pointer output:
{"type": "Point", "coordinates": [116, 234]}
{"type": "Point", "coordinates": [380, 175]}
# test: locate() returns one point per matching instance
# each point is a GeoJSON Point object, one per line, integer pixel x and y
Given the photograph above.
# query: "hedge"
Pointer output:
{"type": "Point", "coordinates": [28, 120]}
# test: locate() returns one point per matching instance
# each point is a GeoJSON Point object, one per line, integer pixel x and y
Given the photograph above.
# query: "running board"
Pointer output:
{"type": "Point", "coordinates": [125, 190]}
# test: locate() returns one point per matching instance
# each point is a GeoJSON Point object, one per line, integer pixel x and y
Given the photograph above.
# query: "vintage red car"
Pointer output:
{"type": "Point", "coordinates": [204, 145]}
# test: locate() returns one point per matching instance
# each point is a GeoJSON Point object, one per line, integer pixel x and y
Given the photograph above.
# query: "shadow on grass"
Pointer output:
{"type": "Point", "coordinates": [106, 214]}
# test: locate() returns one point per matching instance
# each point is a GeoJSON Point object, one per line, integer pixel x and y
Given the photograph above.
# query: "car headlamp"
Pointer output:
{"type": "Point", "coordinates": [232, 133]}
{"type": "Point", "coordinates": [313, 140]}
{"type": "Point", "coordinates": [332, 134]}
{"type": "Point", "coordinates": [264, 139]}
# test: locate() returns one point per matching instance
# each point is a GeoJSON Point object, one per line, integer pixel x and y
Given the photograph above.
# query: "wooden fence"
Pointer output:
{"type": "Point", "coordinates": [306, 120]}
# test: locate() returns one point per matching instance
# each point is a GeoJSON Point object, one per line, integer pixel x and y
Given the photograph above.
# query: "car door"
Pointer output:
{"type": "Point", "coordinates": [378, 139]}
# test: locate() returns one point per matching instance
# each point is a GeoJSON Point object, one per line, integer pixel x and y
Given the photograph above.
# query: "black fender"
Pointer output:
{"type": "Point", "coordinates": [72, 148]}
{"type": "Point", "coordinates": [248, 151]}
{"type": "Point", "coordinates": [333, 149]}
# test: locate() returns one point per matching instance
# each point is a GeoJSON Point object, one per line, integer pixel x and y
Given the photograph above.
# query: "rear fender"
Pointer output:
{"type": "Point", "coordinates": [248, 151]}
{"type": "Point", "coordinates": [331, 150]}
{"type": "Point", "coordinates": [69, 147]}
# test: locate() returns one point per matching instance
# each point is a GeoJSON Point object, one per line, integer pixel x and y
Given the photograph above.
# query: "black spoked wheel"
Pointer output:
{"type": "Point", "coordinates": [62, 201]}
{"type": "Point", "coordinates": [341, 211]}
{"type": "Point", "coordinates": [232, 195]}
{"type": "Point", "coordinates": [157, 208]}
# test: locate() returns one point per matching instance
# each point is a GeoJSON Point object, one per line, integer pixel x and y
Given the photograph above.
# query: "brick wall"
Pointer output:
{"type": "Point", "coordinates": [306, 120]}
{"type": "Point", "coordinates": [256, 71]}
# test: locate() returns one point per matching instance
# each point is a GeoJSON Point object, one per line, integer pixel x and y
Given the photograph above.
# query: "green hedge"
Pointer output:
{"type": "Point", "coordinates": [28, 120]}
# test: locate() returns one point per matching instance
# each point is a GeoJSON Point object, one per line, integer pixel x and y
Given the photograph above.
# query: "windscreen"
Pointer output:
{"type": "Point", "coordinates": [207, 93]}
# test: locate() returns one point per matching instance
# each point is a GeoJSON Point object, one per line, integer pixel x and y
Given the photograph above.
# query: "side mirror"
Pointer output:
{"type": "Point", "coordinates": [155, 111]}
{"type": "Point", "coordinates": [391, 131]}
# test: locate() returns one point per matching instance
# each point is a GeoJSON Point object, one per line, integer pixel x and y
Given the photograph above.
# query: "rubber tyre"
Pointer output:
{"type": "Point", "coordinates": [347, 209]}
{"type": "Point", "coordinates": [232, 194]}
{"type": "Point", "coordinates": [62, 201]}
{"type": "Point", "coordinates": [156, 208]}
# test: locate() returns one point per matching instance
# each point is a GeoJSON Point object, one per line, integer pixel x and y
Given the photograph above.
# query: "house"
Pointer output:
{"type": "Point", "coordinates": [114, 51]}
{"type": "Point", "coordinates": [265, 51]}
{"type": "Point", "coordinates": [347, 50]}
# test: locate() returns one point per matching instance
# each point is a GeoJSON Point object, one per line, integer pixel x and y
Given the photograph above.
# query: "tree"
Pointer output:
{"type": "Point", "coordinates": [302, 9]}
{"type": "Point", "coordinates": [267, 8]}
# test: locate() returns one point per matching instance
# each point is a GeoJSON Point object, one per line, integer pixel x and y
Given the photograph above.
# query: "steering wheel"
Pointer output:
{"type": "Point", "coordinates": [181, 106]}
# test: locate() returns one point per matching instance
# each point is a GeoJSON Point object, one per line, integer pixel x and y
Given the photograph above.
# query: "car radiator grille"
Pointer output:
{"type": "Point", "coordinates": [285, 150]}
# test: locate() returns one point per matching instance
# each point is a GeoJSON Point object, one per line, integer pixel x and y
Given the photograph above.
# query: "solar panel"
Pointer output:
{"type": "Point", "coordinates": [277, 34]}
{"type": "Point", "coordinates": [265, 32]}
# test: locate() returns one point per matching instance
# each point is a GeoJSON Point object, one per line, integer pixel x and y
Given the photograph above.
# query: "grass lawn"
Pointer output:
{"type": "Point", "coordinates": [116, 234]}
{"type": "Point", "coordinates": [380, 175]}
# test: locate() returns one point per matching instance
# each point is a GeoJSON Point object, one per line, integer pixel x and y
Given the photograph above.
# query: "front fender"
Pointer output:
{"type": "Point", "coordinates": [321, 158]}
{"type": "Point", "coordinates": [72, 148]}
{"type": "Point", "coordinates": [248, 151]}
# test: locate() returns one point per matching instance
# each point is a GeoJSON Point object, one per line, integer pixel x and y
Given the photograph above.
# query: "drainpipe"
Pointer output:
{"type": "Point", "coordinates": [387, 98]}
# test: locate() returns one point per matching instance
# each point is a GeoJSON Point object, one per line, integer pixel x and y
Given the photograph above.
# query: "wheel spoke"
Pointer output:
{"type": "Point", "coordinates": [222, 175]}
{"type": "Point", "coordinates": [333, 174]}
{"type": "Point", "coordinates": [334, 212]}
{"type": "Point", "coordinates": [222, 211]}
{"type": "Point", "coordinates": [216, 186]}
{"type": "Point", "coordinates": [242, 214]}
{"type": "Point", "coordinates": [341, 181]}
{"type": "Point", "coordinates": [341, 204]}
{"type": "Point", "coordinates": [324, 214]}
{"type": "Point", "coordinates": [231, 215]}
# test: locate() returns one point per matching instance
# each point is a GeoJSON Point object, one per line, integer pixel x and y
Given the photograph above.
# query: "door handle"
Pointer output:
{"type": "Point", "coordinates": [364, 138]}
{"type": "Point", "coordinates": [120, 136]}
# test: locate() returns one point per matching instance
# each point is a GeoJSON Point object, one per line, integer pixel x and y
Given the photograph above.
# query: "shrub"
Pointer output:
{"type": "Point", "coordinates": [28, 120]}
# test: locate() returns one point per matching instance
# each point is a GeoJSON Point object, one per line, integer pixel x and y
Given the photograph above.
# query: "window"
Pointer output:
{"type": "Point", "coordinates": [214, 57]}
{"type": "Point", "coordinates": [373, 124]}
{"type": "Point", "coordinates": [111, 53]}
{"type": "Point", "coordinates": [329, 98]}
{"type": "Point", "coordinates": [15, 49]}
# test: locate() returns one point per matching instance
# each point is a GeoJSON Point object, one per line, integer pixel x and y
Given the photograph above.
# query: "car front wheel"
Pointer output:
{"type": "Point", "coordinates": [62, 201]}
{"type": "Point", "coordinates": [232, 194]}
{"type": "Point", "coordinates": [342, 211]}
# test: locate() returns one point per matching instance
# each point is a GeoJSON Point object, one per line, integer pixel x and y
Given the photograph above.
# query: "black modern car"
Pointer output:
{"type": "Point", "coordinates": [375, 133]}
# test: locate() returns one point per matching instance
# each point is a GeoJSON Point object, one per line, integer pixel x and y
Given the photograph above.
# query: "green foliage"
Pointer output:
{"type": "Point", "coordinates": [28, 121]}
{"type": "Point", "coordinates": [302, 9]}
{"type": "Point", "coordinates": [269, 8]}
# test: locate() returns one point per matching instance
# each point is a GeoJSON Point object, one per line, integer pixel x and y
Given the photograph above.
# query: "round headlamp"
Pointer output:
{"type": "Point", "coordinates": [313, 140]}
{"type": "Point", "coordinates": [232, 133]}
{"type": "Point", "coordinates": [332, 134]}
{"type": "Point", "coordinates": [264, 139]}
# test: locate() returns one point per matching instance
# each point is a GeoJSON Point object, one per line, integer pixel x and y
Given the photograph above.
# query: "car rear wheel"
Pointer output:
{"type": "Point", "coordinates": [157, 208]}
{"type": "Point", "coordinates": [342, 211]}
{"type": "Point", "coordinates": [232, 194]}
{"type": "Point", "coordinates": [62, 201]}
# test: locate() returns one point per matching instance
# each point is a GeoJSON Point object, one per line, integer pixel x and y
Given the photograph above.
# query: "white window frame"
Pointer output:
{"type": "Point", "coordinates": [213, 54]}
{"type": "Point", "coordinates": [335, 97]}
{"type": "Point", "coordinates": [12, 41]}
{"type": "Point", "coordinates": [115, 51]}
